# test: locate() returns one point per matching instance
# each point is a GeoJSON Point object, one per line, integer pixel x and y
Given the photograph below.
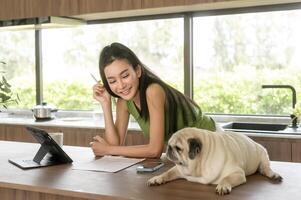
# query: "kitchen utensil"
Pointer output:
{"type": "Point", "coordinates": [43, 111]}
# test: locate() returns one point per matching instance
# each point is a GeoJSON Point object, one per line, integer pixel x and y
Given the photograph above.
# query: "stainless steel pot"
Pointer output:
{"type": "Point", "coordinates": [43, 111]}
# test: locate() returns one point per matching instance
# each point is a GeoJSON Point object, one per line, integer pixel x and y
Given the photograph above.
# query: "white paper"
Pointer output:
{"type": "Point", "coordinates": [107, 164]}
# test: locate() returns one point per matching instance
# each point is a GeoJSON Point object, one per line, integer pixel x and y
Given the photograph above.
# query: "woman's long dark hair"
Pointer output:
{"type": "Point", "coordinates": [175, 98]}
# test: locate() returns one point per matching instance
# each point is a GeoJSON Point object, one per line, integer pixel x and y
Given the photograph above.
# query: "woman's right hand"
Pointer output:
{"type": "Point", "coordinates": [101, 95]}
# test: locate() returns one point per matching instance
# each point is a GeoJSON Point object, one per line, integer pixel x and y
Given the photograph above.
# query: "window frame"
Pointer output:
{"type": "Point", "coordinates": [188, 39]}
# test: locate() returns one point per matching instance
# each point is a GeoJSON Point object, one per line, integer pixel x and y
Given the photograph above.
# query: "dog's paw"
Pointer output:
{"type": "Point", "coordinates": [223, 189]}
{"type": "Point", "coordinates": [157, 180]}
{"type": "Point", "coordinates": [276, 177]}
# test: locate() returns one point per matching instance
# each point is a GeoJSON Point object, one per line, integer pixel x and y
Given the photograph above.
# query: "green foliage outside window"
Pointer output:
{"type": "Point", "coordinates": [223, 96]}
{"type": "Point", "coordinates": [217, 97]}
{"type": "Point", "coordinates": [70, 96]}
{"type": "Point", "coordinates": [232, 86]}
{"type": "Point", "coordinates": [7, 96]}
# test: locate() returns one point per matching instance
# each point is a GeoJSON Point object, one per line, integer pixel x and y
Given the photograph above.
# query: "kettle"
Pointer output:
{"type": "Point", "coordinates": [43, 111]}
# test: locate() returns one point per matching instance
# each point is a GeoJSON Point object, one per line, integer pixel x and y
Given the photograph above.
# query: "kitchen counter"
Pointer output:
{"type": "Point", "coordinates": [73, 120]}
{"type": "Point", "coordinates": [280, 134]}
{"type": "Point", "coordinates": [80, 130]}
{"type": "Point", "coordinates": [62, 182]}
{"type": "Point", "coordinates": [89, 120]}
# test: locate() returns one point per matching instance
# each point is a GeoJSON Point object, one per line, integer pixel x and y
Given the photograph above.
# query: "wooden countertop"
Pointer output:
{"type": "Point", "coordinates": [127, 184]}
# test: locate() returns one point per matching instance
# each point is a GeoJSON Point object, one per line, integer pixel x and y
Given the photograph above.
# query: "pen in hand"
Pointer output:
{"type": "Point", "coordinates": [95, 78]}
{"type": "Point", "coordinates": [99, 82]}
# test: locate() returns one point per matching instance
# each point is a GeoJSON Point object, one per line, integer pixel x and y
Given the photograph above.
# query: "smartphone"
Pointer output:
{"type": "Point", "coordinates": [149, 166]}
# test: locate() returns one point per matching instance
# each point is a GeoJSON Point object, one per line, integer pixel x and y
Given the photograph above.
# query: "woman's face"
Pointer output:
{"type": "Point", "coordinates": [123, 79]}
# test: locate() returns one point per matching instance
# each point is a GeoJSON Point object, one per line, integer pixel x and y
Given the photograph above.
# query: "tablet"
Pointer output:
{"type": "Point", "coordinates": [50, 153]}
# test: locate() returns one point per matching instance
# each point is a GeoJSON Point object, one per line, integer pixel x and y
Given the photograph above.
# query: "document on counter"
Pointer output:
{"type": "Point", "coordinates": [107, 164]}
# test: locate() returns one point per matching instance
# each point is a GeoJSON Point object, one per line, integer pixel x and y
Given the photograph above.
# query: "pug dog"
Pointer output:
{"type": "Point", "coordinates": [221, 158]}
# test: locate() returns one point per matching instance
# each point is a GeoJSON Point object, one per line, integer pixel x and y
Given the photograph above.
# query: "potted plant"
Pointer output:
{"type": "Point", "coordinates": [6, 94]}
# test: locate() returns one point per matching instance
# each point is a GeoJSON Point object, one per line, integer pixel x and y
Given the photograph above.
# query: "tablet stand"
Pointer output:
{"type": "Point", "coordinates": [41, 159]}
{"type": "Point", "coordinates": [49, 153]}
{"type": "Point", "coordinates": [41, 153]}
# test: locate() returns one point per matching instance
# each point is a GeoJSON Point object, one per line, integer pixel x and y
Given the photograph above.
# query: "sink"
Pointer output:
{"type": "Point", "coordinates": [254, 127]}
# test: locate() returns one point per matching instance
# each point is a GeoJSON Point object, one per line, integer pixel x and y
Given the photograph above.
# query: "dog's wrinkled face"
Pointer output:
{"type": "Point", "coordinates": [183, 148]}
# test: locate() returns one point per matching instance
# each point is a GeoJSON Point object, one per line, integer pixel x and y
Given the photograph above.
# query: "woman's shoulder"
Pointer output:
{"type": "Point", "coordinates": [155, 89]}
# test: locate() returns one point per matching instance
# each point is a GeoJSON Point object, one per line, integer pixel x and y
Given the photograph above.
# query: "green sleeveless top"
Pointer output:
{"type": "Point", "coordinates": [202, 121]}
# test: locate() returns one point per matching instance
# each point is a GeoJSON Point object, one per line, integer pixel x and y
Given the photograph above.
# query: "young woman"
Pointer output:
{"type": "Point", "coordinates": [159, 109]}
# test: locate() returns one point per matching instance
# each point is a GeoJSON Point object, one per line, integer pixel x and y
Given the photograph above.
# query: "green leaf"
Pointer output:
{"type": "Point", "coordinates": [18, 99]}
{"type": "Point", "coordinates": [5, 82]}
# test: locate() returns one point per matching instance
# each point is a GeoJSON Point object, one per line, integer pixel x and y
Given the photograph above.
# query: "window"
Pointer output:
{"type": "Point", "coordinates": [235, 54]}
{"type": "Point", "coordinates": [18, 53]}
{"type": "Point", "coordinates": [70, 55]}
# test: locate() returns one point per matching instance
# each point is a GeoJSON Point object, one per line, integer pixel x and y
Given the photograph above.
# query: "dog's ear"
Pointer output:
{"type": "Point", "coordinates": [195, 146]}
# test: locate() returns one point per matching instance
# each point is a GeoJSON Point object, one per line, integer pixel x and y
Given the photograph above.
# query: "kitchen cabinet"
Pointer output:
{"type": "Point", "coordinates": [72, 136]}
{"type": "Point", "coordinates": [2, 133]}
{"type": "Point", "coordinates": [16, 9]}
{"type": "Point", "coordinates": [279, 149]}
{"type": "Point", "coordinates": [296, 151]}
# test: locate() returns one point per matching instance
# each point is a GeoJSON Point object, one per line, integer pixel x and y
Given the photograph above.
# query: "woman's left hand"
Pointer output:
{"type": "Point", "coordinates": [99, 146]}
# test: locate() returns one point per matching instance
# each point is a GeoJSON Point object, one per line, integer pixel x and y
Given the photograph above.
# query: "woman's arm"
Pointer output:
{"type": "Point", "coordinates": [122, 120]}
{"type": "Point", "coordinates": [155, 100]}
{"type": "Point", "coordinates": [114, 133]}
{"type": "Point", "coordinates": [101, 148]}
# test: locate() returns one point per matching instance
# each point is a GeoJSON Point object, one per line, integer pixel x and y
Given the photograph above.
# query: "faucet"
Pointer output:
{"type": "Point", "coordinates": [294, 99]}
